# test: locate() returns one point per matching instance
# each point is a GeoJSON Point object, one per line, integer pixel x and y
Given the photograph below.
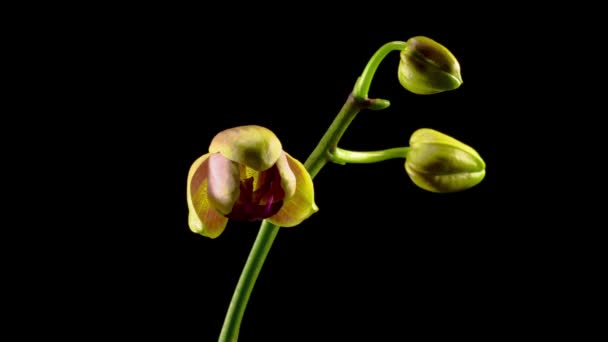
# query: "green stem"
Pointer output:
{"type": "Point", "coordinates": [356, 102]}
{"type": "Point", "coordinates": [322, 153]}
{"type": "Point", "coordinates": [365, 81]}
{"type": "Point", "coordinates": [253, 266]}
{"type": "Point", "coordinates": [342, 156]}
{"type": "Point", "coordinates": [268, 231]}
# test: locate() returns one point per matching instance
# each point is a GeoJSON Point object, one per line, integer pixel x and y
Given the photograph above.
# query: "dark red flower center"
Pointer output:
{"type": "Point", "coordinates": [261, 196]}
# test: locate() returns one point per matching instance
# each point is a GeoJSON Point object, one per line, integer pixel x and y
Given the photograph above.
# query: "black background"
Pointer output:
{"type": "Point", "coordinates": [382, 258]}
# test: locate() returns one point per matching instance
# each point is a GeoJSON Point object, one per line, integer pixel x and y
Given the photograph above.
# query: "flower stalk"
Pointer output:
{"type": "Point", "coordinates": [319, 157]}
{"type": "Point", "coordinates": [327, 150]}
{"type": "Point", "coordinates": [268, 231]}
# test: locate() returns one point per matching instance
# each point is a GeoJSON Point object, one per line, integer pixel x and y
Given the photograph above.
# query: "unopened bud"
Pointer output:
{"type": "Point", "coordinates": [427, 67]}
{"type": "Point", "coordinates": [439, 163]}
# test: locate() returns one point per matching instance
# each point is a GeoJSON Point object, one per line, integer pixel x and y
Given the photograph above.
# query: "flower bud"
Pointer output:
{"type": "Point", "coordinates": [439, 163]}
{"type": "Point", "coordinates": [427, 67]}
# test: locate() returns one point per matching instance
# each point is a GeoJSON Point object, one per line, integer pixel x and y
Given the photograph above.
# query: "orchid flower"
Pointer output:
{"type": "Point", "coordinates": [246, 176]}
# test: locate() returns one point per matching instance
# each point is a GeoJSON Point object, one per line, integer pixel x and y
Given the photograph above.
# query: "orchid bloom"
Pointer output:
{"type": "Point", "coordinates": [247, 176]}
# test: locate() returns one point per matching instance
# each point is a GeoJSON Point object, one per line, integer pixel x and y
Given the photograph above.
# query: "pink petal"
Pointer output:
{"type": "Point", "coordinates": [254, 146]}
{"type": "Point", "coordinates": [224, 183]}
{"type": "Point", "coordinates": [288, 178]}
{"type": "Point", "coordinates": [302, 204]}
{"type": "Point", "coordinates": [202, 218]}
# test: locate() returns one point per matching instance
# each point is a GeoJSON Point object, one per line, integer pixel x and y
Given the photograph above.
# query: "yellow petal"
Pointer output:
{"type": "Point", "coordinates": [253, 146]}
{"type": "Point", "coordinates": [302, 204]}
{"type": "Point", "coordinates": [288, 178]}
{"type": "Point", "coordinates": [202, 218]}
{"type": "Point", "coordinates": [223, 187]}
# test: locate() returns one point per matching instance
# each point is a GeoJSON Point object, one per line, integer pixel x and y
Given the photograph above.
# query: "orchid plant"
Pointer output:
{"type": "Point", "coordinates": [247, 176]}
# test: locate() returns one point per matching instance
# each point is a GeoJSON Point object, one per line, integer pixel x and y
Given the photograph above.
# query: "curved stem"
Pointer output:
{"type": "Point", "coordinates": [356, 102]}
{"type": "Point", "coordinates": [365, 80]}
{"type": "Point", "coordinates": [315, 162]}
{"type": "Point", "coordinates": [322, 153]}
{"type": "Point", "coordinates": [342, 156]}
{"type": "Point", "coordinates": [240, 298]}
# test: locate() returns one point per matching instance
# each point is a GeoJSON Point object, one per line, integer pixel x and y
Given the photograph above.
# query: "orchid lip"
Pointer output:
{"type": "Point", "coordinates": [261, 196]}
